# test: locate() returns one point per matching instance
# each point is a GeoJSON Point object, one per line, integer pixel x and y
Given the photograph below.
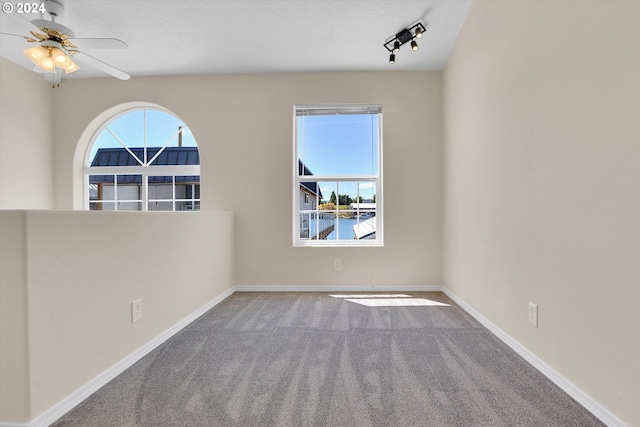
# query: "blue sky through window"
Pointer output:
{"type": "Point", "coordinates": [340, 145]}
{"type": "Point", "coordinates": [129, 128]}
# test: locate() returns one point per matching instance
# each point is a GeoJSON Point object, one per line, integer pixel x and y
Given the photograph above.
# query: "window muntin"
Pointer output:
{"type": "Point", "coordinates": [143, 159]}
{"type": "Point", "coordinates": [174, 193]}
{"type": "Point", "coordinates": [338, 164]}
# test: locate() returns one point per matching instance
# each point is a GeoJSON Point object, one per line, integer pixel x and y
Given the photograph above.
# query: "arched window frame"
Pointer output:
{"type": "Point", "coordinates": [144, 169]}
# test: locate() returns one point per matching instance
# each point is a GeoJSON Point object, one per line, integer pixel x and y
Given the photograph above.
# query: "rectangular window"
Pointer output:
{"type": "Point", "coordinates": [337, 192]}
{"type": "Point", "coordinates": [132, 192]}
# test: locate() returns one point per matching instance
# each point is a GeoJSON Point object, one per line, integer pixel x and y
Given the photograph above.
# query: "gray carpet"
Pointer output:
{"type": "Point", "coordinates": [309, 359]}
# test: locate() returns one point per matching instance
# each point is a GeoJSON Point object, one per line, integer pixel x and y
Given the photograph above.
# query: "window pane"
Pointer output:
{"type": "Point", "coordinates": [367, 191]}
{"type": "Point", "coordinates": [187, 187]}
{"type": "Point", "coordinates": [194, 191]}
{"type": "Point", "coordinates": [347, 194]}
{"type": "Point", "coordinates": [127, 129]}
{"type": "Point", "coordinates": [160, 206]}
{"type": "Point", "coordinates": [305, 222]}
{"type": "Point", "coordinates": [315, 225]}
{"type": "Point", "coordinates": [188, 205]}
{"type": "Point", "coordinates": [160, 191]}
{"type": "Point", "coordinates": [338, 145]}
{"type": "Point", "coordinates": [101, 187]}
{"type": "Point", "coordinates": [163, 127]}
{"type": "Point", "coordinates": [102, 206]}
{"type": "Point", "coordinates": [365, 227]}
{"type": "Point", "coordinates": [328, 191]}
{"type": "Point", "coordinates": [129, 206]}
{"type": "Point", "coordinates": [128, 187]}
{"type": "Point", "coordinates": [325, 225]}
{"type": "Point", "coordinates": [188, 179]}
{"type": "Point", "coordinates": [160, 187]}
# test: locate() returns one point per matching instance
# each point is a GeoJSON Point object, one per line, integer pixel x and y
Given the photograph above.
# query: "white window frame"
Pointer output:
{"type": "Point", "coordinates": [144, 169]}
{"type": "Point", "coordinates": [378, 241]}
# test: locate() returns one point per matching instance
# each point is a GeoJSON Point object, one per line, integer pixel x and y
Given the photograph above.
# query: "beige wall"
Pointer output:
{"type": "Point", "coordinates": [542, 184]}
{"type": "Point", "coordinates": [76, 273]}
{"type": "Point", "coordinates": [26, 139]}
{"type": "Point", "coordinates": [14, 348]}
{"type": "Point", "coordinates": [244, 127]}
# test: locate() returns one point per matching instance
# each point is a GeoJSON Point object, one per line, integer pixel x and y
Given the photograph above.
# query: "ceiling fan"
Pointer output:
{"type": "Point", "coordinates": [56, 47]}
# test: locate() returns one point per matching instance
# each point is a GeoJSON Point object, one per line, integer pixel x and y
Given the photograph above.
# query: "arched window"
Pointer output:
{"type": "Point", "coordinates": [143, 160]}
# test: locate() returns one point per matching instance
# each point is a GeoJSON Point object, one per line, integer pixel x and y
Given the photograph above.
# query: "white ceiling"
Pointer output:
{"type": "Point", "coordinates": [173, 37]}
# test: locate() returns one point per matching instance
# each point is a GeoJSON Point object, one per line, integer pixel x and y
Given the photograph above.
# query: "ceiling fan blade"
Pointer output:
{"type": "Point", "coordinates": [99, 43]}
{"type": "Point", "coordinates": [14, 35]}
{"type": "Point", "coordinates": [83, 58]}
{"type": "Point", "coordinates": [16, 25]}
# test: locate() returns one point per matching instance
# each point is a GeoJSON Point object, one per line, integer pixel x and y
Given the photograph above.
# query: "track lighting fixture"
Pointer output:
{"type": "Point", "coordinates": [404, 36]}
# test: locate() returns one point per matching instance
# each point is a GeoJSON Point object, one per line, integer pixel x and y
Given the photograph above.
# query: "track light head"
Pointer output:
{"type": "Point", "coordinates": [408, 36]}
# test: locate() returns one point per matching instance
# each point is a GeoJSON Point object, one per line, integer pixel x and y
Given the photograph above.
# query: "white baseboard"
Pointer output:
{"type": "Point", "coordinates": [333, 288]}
{"type": "Point", "coordinates": [71, 401]}
{"type": "Point", "coordinates": [64, 406]}
{"type": "Point", "coordinates": [567, 386]}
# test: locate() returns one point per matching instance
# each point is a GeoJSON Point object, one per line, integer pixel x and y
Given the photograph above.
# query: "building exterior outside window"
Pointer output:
{"type": "Point", "coordinates": [143, 160]}
{"type": "Point", "coordinates": [338, 175]}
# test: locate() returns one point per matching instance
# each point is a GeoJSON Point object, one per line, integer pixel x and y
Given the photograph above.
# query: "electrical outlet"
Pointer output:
{"type": "Point", "coordinates": [533, 314]}
{"type": "Point", "coordinates": [337, 265]}
{"type": "Point", "coordinates": [136, 310]}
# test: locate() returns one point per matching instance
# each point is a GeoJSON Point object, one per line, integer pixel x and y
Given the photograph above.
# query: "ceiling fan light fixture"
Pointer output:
{"type": "Point", "coordinates": [59, 56]}
{"type": "Point", "coordinates": [54, 50]}
{"type": "Point", "coordinates": [64, 61]}
{"type": "Point", "coordinates": [47, 58]}
{"type": "Point", "coordinates": [41, 57]}
{"type": "Point", "coordinates": [36, 53]}
{"type": "Point", "coordinates": [71, 67]}
{"type": "Point", "coordinates": [47, 64]}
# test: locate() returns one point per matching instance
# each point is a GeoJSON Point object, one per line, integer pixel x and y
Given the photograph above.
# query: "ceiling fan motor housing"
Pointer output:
{"type": "Point", "coordinates": [54, 7]}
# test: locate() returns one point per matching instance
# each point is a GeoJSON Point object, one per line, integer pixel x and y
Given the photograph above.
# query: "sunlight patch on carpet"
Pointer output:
{"type": "Point", "coordinates": [390, 300]}
{"type": "Point", "coordinates": [372, 296]}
